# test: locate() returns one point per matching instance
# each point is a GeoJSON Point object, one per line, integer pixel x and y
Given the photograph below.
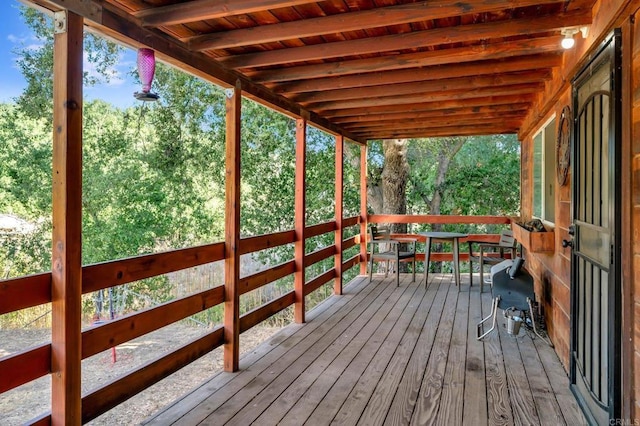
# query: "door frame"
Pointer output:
{"type": "Point", "coordinates": [611, 46]}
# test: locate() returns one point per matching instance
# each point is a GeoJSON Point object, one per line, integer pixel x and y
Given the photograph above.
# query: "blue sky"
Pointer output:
{"type": "Point", "coordinates": [15, 35]}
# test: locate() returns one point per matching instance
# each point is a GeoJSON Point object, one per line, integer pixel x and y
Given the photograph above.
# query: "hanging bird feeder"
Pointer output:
{"type": "Point", "coordinates": [146, 70]}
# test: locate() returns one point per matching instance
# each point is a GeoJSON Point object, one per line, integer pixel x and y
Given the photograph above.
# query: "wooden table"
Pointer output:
{"type": "Point", "coordinates": [454, 238]}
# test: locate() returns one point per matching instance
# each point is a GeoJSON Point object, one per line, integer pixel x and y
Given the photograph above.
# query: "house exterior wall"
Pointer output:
{"type": "Point", "coordinates": [634, 165]}
{"type": "Point", "coordinates": [552, 271]}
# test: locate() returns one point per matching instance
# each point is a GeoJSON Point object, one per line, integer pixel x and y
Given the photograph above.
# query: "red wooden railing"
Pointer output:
{"type": "Point", "coordinates": [448, 220]}
{"type": "Point", "coordinates": [25, 292]}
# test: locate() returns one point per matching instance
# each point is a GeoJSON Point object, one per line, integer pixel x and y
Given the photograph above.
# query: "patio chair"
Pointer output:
{"type": "Point", "coordinates": [491, 253]}
{"type": "Point", "coordinates": [512, 290]}
{"type": "Point", "coordinates": [383, 248]}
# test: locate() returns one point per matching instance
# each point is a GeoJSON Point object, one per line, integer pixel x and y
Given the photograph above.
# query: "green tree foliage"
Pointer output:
{"type": "Point", "coordinates": [154, 174]}
{"type": "Point", "coordinates": [36, 64]}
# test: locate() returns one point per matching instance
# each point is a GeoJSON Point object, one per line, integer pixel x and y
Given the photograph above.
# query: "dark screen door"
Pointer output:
{"type": "Point", "coordinates": [595, 344]}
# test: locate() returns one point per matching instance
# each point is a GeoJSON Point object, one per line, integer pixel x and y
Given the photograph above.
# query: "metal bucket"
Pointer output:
{"type": "Point", "coordinates": [513, 324]}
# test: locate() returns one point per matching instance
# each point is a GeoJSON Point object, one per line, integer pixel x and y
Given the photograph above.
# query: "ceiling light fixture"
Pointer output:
{"type": "Point", "coordinates": [568, 41]}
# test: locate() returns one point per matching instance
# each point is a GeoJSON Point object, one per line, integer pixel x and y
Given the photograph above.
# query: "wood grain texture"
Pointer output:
{"type": "Point", "coordinates": [363, 374]}
{"type": "Point", "coordinates": [475, 386]}
{"type": "Point", "coordinates": [318, 281]}
{"type": "Point", "coordinates": [25, 366]}
{"type": "Point", "coordinates": [307, 364]}
{"type": "Point", "coordinates": [262, 278]}
{"type": "Point", "coordinates": [403, 397]}
{"type": "Point", "coordinates": [428, 398]}
{"type": "Point", "coordinates": [452, 401]}
{"type": "Point", "coordinates": [496, 380]}
{"type": "Point", "coordinates": [66, 269]}
{"type": "Point", "coordinates": [353, 357]}
{"type": "Point", "coordinates": [338, 239]}
{"type": "Point", "coordinates": [262, 242]}
{"type": "Point", "coordinates": [450, 219]}
{"type": "Point", "coordinates": [123, 271]}
{"type": "Point", "coordinates": [325, 334]}
{"type": "Point", "coordinates": [24, 292]}
{"type": "Point", "coordinates": [311, 387]}
{"type": "Point", "coordinates": [300, 213]}
{"type": "Point", "coordinates": [319, 255]}
{"type": "Point", "coordinates": [233, 113]}
{"type": "Point", "coordinates": [392, 15]}
{"type": "Point", "coordinates": [121, 330]}
{"type": "Point", "coordinates": [320, 228]}
{"type": "Point", "coordinates": [223, 386]}
{"type": "Point", "coordinates": [363, 210]}
{"type": "Point", "coordinates": [119, 390]}
{"type": "Point", "coordinates": [413, 40]}
{"type": "Point", "coordinates": [261, 313]}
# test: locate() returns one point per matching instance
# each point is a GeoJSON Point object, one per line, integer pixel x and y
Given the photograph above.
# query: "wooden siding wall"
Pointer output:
{"type": "Point", "coordinates": [552, 270]}
{"type": "Point", "coordinates": [634, 202]}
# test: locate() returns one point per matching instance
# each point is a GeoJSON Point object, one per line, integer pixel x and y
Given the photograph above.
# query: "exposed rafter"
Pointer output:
{"type": "Point", "coordinates": [359, 68]}
{"type": "Point", "coordinates": [413, 40]}
{"type": "Point", "coordinates": [199, 10]}
{"type": "Point", "coordinates": [478, 68]}
{"type": "Point", "coordinates": [414, 60]}
{"type": "Point", "coordinates": [424, 87]}
{"type": "Point", "coordinates": [514, 89]}
{"type": "Point", "coordinates": [427, 105]}
{"type": "Point", "coordinates": [379, 17]}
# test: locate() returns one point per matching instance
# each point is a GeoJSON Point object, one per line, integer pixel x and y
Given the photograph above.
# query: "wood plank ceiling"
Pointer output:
{"type": "Point", "coordinates": [381, 68]}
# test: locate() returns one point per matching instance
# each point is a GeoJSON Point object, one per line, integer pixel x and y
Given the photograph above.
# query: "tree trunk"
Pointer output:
{"type": "Point", "coordinates": [448, 150]}
{"type": "Point", "coordinates": [395, 175]}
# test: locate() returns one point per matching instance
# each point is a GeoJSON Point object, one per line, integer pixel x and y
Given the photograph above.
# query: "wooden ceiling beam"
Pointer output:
{"type": "Point", "coordinates": [353, 21]}
{"type": "Point", "coordinates": [412, 125]}
{"type": "Point", "coordinates": [412, 40]}
{"type": "Point", "coordinates": [437, 72]}
{"type": "Point", "coordinates": [514, 89]}
{"type": "Point", "coordinates": [441, 132]}
{"type": "Point", "coordinates": [464, 83]}
{"type": "Point", "coordinates": [430, 106]}
{"type": "Point", "coordinates": [201, 10]}
{"type": "Point", "coordinates": [459, 118]}
{"type": "Point", "coordinates": [351, 121]}
{"type": "Point", "coordinates": [479, 52]}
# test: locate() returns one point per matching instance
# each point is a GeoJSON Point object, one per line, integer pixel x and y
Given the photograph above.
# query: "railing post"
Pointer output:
{"type": "Point", "coordinates": [66, 268]}
{"type": "Point", "coordinates": [337, 286]}
{"type": "Point", "coordinates": [363, 210]}
{"type": "Point", "coordinates": [232, 230]}
{"type": "Point", "coordinates": [300, 213]}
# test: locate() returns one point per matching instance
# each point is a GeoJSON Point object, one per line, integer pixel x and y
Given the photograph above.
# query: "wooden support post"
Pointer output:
{"type": "Point", "coordinates": [337, 286]}
{"type": "Point", "coordinates": [363, 210]}
{"type": "Point", "coordinates": [66, 268]}
{"type": "Point", "coordinates": [300, 213]}
{"type": "Point", "coordinates": [232, 230]}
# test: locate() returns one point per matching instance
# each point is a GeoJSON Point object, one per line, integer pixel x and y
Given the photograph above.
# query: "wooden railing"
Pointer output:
{"type": "Point", "coordinates": [25, 292]}
{"type": "Point", "coordinates": [445, 220]}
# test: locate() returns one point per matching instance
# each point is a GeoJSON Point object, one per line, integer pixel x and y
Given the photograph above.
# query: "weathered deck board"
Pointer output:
{"type": "Point", "coordinates": [383, 354]}
{"type": "Point", "coordinates": [344, 372]}
{"type": "Point", "coordinates": [386, 369]}
{"type": "Point", "coordinates": [475, 387]}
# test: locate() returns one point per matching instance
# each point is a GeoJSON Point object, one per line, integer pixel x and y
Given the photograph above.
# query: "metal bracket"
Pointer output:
{"type": "Point", "coordinates": [60, 22]}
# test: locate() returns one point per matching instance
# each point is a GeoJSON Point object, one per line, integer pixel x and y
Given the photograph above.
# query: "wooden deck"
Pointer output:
{"type": "Point", "coordinates": [389, 355]}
